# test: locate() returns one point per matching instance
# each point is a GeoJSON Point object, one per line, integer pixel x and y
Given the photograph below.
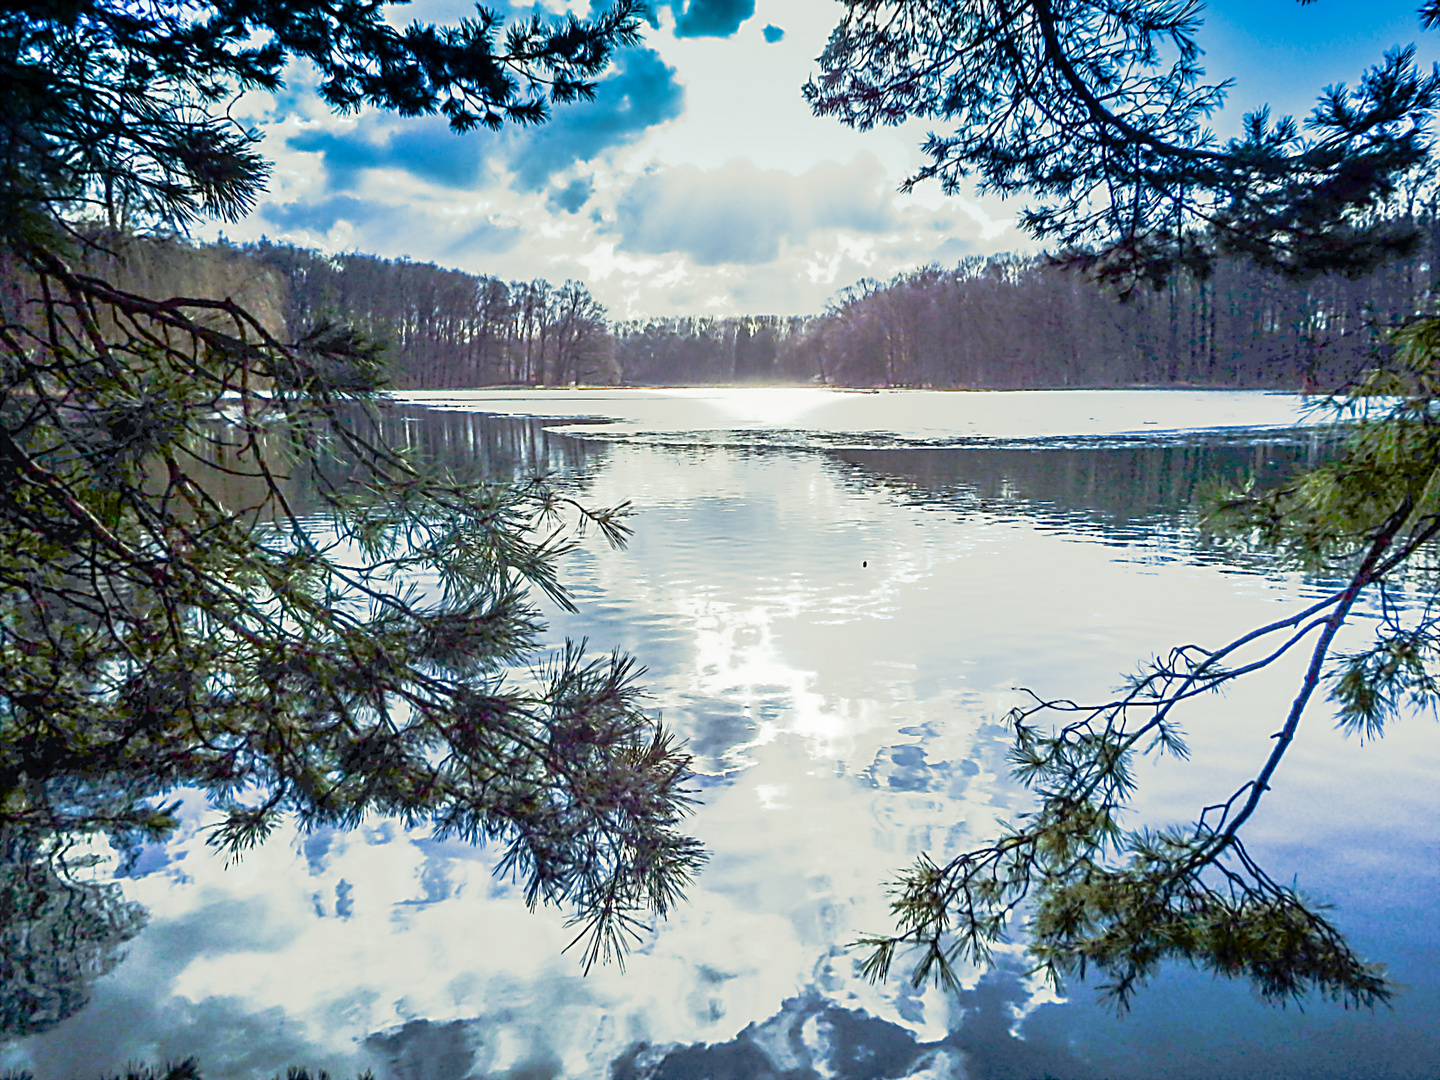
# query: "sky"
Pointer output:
{"type": "Point", "coordinates": [698, 182]}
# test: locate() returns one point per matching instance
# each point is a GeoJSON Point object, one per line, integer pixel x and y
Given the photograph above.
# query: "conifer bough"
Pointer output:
{"type": "Point", "coordinates": [1095, 112]}
{"type": "Point", "coordinates": [169, 616]}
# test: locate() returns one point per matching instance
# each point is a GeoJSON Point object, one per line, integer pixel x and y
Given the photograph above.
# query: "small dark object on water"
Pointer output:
{"type": "Point", "coordinates": [863, 564]}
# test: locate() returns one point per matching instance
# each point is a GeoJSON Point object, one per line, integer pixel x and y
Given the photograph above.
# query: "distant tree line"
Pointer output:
{"type": "Point", "coordinates": [446, 328]}
{"type": "Point", "coordinates": [689, 350]}
{"type": "Point", "coordinates": [1011, 321]}
{"type": "Point", "coordinates": [1004, 321]}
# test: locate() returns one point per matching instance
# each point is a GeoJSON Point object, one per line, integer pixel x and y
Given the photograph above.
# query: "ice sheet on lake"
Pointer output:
{"type": "Point", "coordinates": [859, 418]}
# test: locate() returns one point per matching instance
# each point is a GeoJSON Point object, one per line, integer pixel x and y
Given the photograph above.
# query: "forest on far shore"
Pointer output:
{"type": "Point", "coordinates": [996, 322]}
{"type": "Point", "coordinates": [1003, 321]}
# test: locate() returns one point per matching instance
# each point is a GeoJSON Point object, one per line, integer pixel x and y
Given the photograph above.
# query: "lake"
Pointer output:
{"type": "Point", "coordinates": [837, 596]}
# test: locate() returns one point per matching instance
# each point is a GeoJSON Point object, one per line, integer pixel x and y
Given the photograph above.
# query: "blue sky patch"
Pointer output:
{"type": "Point", "coordinates": [573, 196]}
{"type": "Point", "coordinates": [425, 148]}
{"type": "Point", "coordinates": [320, 216]}
{"type": "Point", "coordinates": [641, 93]}
{"type": "Point", "coordinates": [710, 18]}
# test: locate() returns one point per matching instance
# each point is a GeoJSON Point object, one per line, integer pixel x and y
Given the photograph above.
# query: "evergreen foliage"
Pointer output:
{"type": "Point", "coordinates": [1096, 111]}
{"type": "Point", "coordinates": [1097, 896]}
{"type": "Point", "coordinates": [167, 617]}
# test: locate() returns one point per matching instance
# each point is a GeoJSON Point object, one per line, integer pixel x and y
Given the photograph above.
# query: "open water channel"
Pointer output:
{"type": "Point", "coordinates": [837, 597]}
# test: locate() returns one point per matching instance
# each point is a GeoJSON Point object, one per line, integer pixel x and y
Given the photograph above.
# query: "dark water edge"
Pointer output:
{"type": "Point", "coordinates": [1118, 480]}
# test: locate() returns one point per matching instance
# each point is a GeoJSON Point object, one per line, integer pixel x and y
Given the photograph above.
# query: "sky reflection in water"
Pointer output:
{"type": "Point", "coordinates": [837, 633]}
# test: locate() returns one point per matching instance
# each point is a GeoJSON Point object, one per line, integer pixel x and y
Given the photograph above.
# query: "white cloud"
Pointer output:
{"type": "Point", "coordinates": [710, 189]}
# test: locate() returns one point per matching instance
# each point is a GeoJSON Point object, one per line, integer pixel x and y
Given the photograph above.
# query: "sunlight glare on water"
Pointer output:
{"type": "Point", "coordinates": [761, 406]}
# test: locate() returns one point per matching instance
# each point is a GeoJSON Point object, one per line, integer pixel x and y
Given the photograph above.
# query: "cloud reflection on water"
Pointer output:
{"type": "Point", "coordinates": [837, 635]}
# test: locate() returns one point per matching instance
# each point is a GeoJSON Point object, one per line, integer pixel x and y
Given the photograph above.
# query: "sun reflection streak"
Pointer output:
{"type": "Point", "coordinates": [770, 406]}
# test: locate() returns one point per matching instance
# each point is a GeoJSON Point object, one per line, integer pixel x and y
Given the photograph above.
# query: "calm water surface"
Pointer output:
{"type": "Point", "coordinates": [837, 597]}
